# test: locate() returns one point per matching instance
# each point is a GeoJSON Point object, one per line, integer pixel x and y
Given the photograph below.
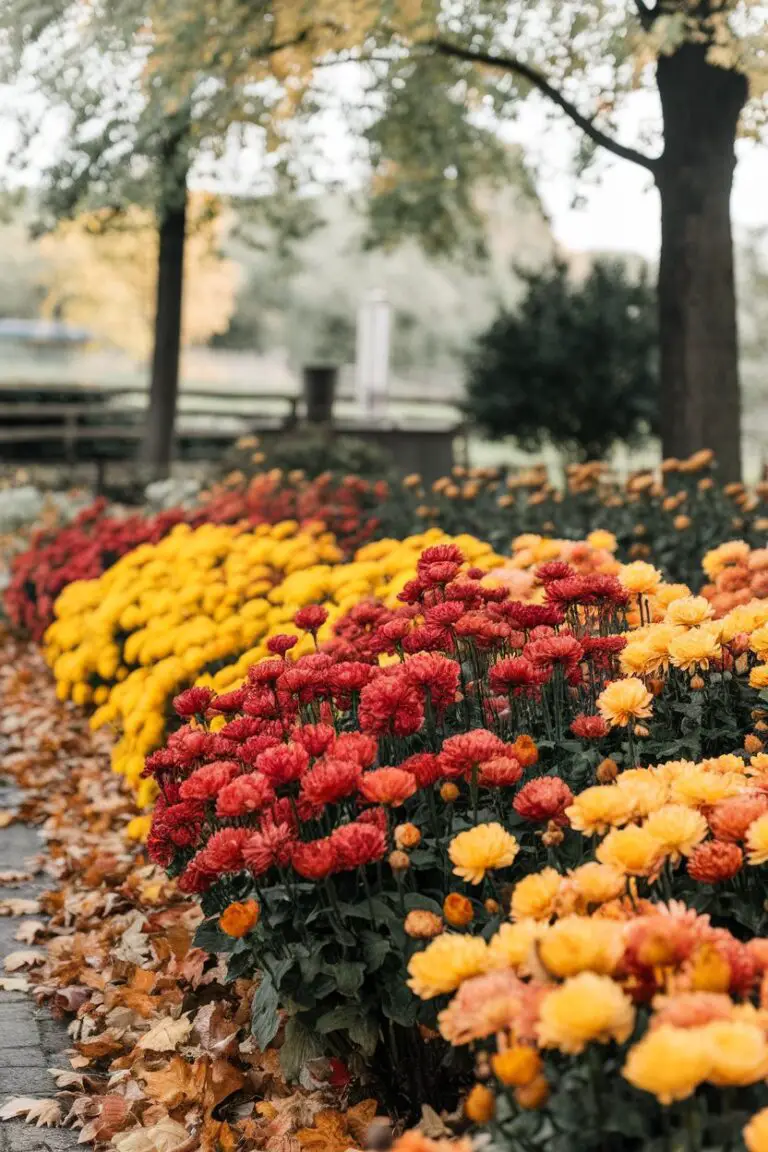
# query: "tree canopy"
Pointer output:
{"type": "Point", "coordinates": [574, 366]}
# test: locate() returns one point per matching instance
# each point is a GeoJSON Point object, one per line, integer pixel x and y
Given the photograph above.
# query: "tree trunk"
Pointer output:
{"type": "Point", "coordinates": [697, 292]}
{"type": "Point", "coordinates": [161, 416]}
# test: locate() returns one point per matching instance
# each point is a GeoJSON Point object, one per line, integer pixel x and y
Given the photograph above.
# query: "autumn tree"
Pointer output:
{"type": "Point", "coordinates": [148, 91]}
{"type": "Point", "coordinates": [707, 63]}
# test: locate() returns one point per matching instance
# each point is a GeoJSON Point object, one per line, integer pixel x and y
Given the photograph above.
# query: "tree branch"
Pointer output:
{"type": "Point", "coordinates": [509, 64]}
{"type": "Point", "coordinates": [647, 14]}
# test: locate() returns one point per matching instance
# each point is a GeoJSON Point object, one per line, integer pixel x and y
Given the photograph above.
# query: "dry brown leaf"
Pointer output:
{"type": "Point", "coordinates": [359, 1118]}
{"type": "Point", "coordinates": [42, 1113]}
{"type": "Point", "coordinates": [166, 1035]}
{"type": "Point", "coordinates": [19, 907]}
{"type": "Point", "coordinates": [13, 876]}
{"type": "Point", "coordinates": [177, 1082]}
{"type": "Point", "coordinates": [22, 959]}
{"type": "Point", "coordinates": [6, 817]}
{"type": "Point", "coordinates": [164, 1136]}
{"type": "Point", "coordinates": [329, 1133]}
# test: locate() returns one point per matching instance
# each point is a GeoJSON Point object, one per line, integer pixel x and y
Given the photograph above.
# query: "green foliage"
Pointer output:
{"type": "Point", "coordinates": [314, 452]}
{"type": "Point", "coordinates": [575, 365]}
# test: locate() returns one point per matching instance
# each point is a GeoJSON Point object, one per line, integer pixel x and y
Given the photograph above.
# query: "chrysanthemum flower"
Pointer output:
{"type": "Point", "coordinates": [482, 849]}
{"type": "Point", "coordinates": [715, 861]}
{"type": "Point", "coordinates": [677, 828]}
{"type": "Point", "coordinates": [543, 799]}
{"type": "Point", "coordinates": [632, 850]}
{"type": "Point", "coordinates": [271, 845]}
{"type": "Point", "coordinates": [758, 677]}
{"type": "Point", "coordinates": [669, 1062]}
{"type": "Point", "coordinates": [691, 1009]}
{"type": "Point", "coordinates": [758, 642]}
{"type": "Point", "coordinates": [388, 786]}
{"type": "Point", "coordinates": [640, 578]}
{"type": "Point", "coordinates": [206, 782]}
{"type": "Point", "coordinates": [730, 818]}
{"type": "Point", "coordinates": [700, 789]}
{"type": "Point", "coordinates": [482, 1006]}
{"type": "Point", "coordinates": [501, 772]}
{"type": "Point", "coordinates": [512, 946]}
{"type": "Point", "coordinates": [586, 1009]}
{"type": "Point", "coordinates": [457, 910]}
{"type": "Point", "coordinates": [192, 702]}
{"type": "Point", "coordinates": [314, 859]}
{"type": "Point", "coordinates": [648, 790]}
{"type": "Point", "coordinates": [597, 883]}
{"type": "Point", "coordinates": [756, 1132]}
{"type": "Point", "coordinates": [357, 844]}
{"type": "Point", "coordinates": [462, 754]}
{"type": "Point", "coordinates": [244, 794]}
{"type": "Point", "coordinates": [283, 763]}
{"type": "Point", "coordinates": [517, 1065]}
{"type": "Point", "coordinates": [596, 809]}
{"type": "Point", "coordinates": [589, 727]}
{"type": "Point", "coordinates": [446, 963]}
{"type": "Point", "coordinates": [330, 781]}
{"type": "Point", "coordinates": [436, 676]}
{"type": "Point", "coordinates": [535, 896]}
{"type": "Point", "coordinates": [238, 919]}
{"type": "Point", "coordinates": [582, 944]}
{"type": "Point", "coordinates": [696, 648]}
{"type": "Point", "coordinates": [391, 705]}
{"type": "Point", "coordinates": [689, 611]}
{"type": "Point", "coordinates": [757, 840]}
{"type": "Point", "coordinates": [624, 701]}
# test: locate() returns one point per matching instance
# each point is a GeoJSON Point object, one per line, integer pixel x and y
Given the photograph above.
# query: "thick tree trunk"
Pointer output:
{"type": "Point", "coordinates": [161, 416]}
{"type": "Point", "coordinates": [697, 293]}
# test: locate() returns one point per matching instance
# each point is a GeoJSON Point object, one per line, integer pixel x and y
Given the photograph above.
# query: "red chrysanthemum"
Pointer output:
{"type": "Point", "coordinates": [183, 822]}
{"type": "Point", "coordinates": [427, 638]}
{"type": "Point", "coordinates": [314, 860]}
{"type": "Point", "coordinates": [195, 878]}
{"type": "Point", "coordinates": [554, 570]}
{"type": "Point", "coordinates": [425, 766]}
{"type": "Point", "coordinates": [224, 851]}
{"type": "Point", "coordinates": [358, 747]}
{"type": "Point", "coordinates": [357, 844]}
{"type": "Point", "coordinates": [253, 747]}
{"type": "Point", "coordinates": [446, 613]}
{"type": "Point", "coordinates": [529, 616]}
{"type": "Point", "coordinates": [192, 702]}
{"type": "Point", "coordinates": [715, 861]}
{"type": "Point", "coordinates": [283, 763]}
{"type": "Point", "coordinates": [436, 676]}
{"type": "Point", "coordinates": [390, 706]}
{"type": "Point", "coordinates": [513, 674]}
{"type": "Point", "coordinates": [271, 845]}
{"type": "Point", "coordinates": [462, 754]}
{"type": "Point", "coordinates": [245, 794]}
{"type": "Point", "coordinates": [388, 786]}
{"type": "Point", "coordinates": [563, 649]}
{"type": "Point", "coordinates": [311, 618]}
{"type": "Point", "coordinates": [282, 643]}
{"type": "Point", "coordinates": [242, 727]}
{"type": "Point", "coordinates": [205, 783]}
{"type": "Point", "coordinates": [316, 738]}
{"type": "Point", "coordinates": [501, 772]}
{"type": "Point", "coordinates": [543, 799]}
{"type": "Point", "coordinates": [347, 678]}
{"type": "Point", "coordinates": [438, 573]}
{"type": "Point", "coordinates": [440, 554]}
{"type": "Point", "coordinates": [229, 701]}
{"type": "Point", "coordinates": [589, 727]}
{"type": "Point", "coordinates": [267, 671]}
{"type": "Point", "coordinates": [329, 781]}
{"type": "Point", "coordinates": [261, 703]}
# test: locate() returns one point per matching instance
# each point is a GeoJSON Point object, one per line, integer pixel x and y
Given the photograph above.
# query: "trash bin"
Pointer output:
{"type": "Point", "coordinates": [319, 391]}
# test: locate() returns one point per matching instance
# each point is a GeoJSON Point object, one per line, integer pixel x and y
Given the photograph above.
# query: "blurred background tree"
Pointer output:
{"type": "Point", "coordinates": [575, 365]}
{"type": "Point", "coordinates": [100, 272]}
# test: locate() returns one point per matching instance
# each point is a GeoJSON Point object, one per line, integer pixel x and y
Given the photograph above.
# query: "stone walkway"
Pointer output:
{"type": "Point", "coordinates": [31, 1041]}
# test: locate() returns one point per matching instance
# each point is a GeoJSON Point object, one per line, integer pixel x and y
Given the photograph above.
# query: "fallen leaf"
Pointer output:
{"type": "Point", "coordinates": [177, 1082]}
{"type": "Point", "coordinates": [431, 1124]}
{"type": "Point", "coordinates": [28, 931]}
{"type": "Point", "coordinates": [329, 1133]}
{"type": "Point", "coordinates": [19, 907]}
{"type": "Point", "coordinates": [42, 1113]}
{"type": "Point", "coordinates": [358, 1120]}
{"type": "Point", "coordinates": [6, 818]}
{"type": "Point", "coordinates": [166, 1035]}
{"type": "Point", "coordinates": [13, 876]}
{"type": "Point", "coordinates": [14, 984]}
{"type": "Point", "coordinates": [16, 960]}
{"type": "Point", "coordinates": [162, 1137]}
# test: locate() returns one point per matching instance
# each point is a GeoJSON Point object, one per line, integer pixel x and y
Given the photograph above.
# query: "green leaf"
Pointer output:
{"type": "Point", "coordinates": [365, 1034]}
{"type": "Point", "coordinates": [210, 938]}
{"type": "Point", "coordinates": [349, 976]}
{"type": "Point", "coordinates": [415, 900]}
{"type": "Point", "coordinates": [375, 950]}
{"type": "Point", "coordinates": [339, 1019]}
{"type": "Point", "coordinates": [300, 1045]}
{"type": "Point", "coordinates": [265, 1019]}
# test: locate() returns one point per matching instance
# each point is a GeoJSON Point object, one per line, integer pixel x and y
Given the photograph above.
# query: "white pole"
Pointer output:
{"type": "Point", "coordinates": [372, 352]}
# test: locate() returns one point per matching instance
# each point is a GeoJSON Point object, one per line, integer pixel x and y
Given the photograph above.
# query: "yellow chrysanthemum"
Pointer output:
{"type": "Point", "coordinates": [738, 1053]}
{"type": "Point", "coordinates": [585, 1009]}
{"type": "Point", "coordinates": [596, 809]}
{"type": "Point", "coordinates": [632, 850]}
{"type": "Point", "coordinates": [624, 701]}
{"type": "Point", "coordinates": [669, 1062]}
{"type": "Point", "coordinates": [700, 789]}
{"type": "Point", "coordinates": [667, 594]}
{"type": "Point", "coordinates": [756, 1132]}
{"type": "Point", "coordinates": [728, 762]}
{"type": "Point", "coordinates": [758, 677]}
{"type": "Point", "coordinates": [694, 649]}
{"type": "Point", "coordinates": [638, 659]}
{"type": "Point", "coordinates": [640, 578]}
{"type": "Point", "coordinates": [647, 790]}
{"type": "Point", "coordinates": [512, 946]}
{"type": "Point", "coordinates": [758, 642]}
{"type": "Point", "coordinates": [757, 840]}
{"type": "Point", "coordinates": [446, 963]}
{"type": "Point", "coordinates": [581, 944]}
{"type": "Point", "coordinates": [480, 850]}
{"type": "Point", "coordinates": [677, 828]}
{"type": "Point", "coordinates": [689, 611]}
{"type": "Point", "coordinates": [718, 559]}
{"type": "Point", "coordinates": [602, 539]}
{"type": "Point", "coordinates": [535, 896]}
{"type": "Point", "coordinates": [598, 883]}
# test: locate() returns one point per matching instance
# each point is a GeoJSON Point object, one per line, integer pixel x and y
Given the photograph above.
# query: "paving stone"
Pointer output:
{"type": "Point", "coordinates": [22, 1057]}
{"type": "Point", "coordinates": [25, 1138]}
{"type": "Point", "coordinates": [25, 1082]}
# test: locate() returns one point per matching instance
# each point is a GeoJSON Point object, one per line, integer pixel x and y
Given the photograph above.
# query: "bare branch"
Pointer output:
{"type": "Point", "coordinates": [519, 68]}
